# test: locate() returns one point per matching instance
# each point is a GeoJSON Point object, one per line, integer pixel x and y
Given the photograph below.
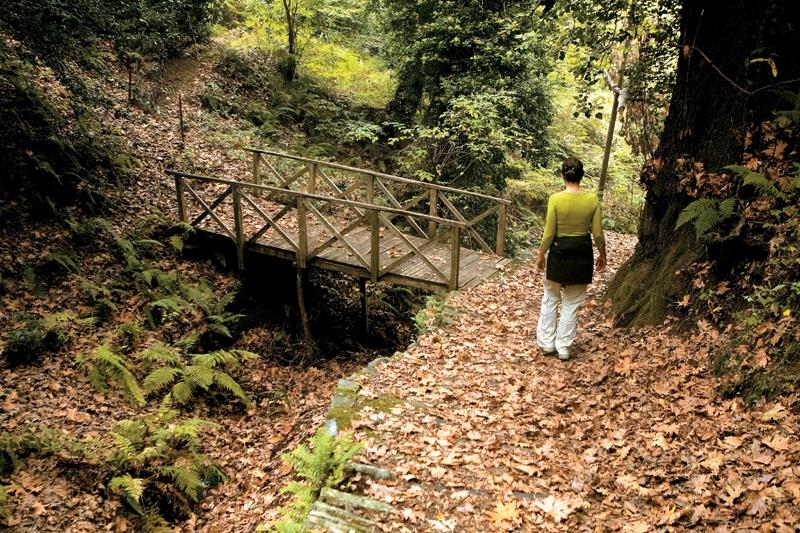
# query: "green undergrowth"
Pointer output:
{"type": "Point", "coordinates": [153, 463]}
{"type": "Point", "coordinates": [56, 59]}
{"type": "Point", "coordinates": [319, 463]}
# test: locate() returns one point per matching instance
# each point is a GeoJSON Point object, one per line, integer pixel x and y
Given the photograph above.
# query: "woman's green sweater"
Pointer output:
{"type": "Point", "coordinates": [571, 214]}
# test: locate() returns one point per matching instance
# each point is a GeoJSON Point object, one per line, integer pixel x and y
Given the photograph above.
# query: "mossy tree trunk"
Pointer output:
{"type": "Point", "coordinates": [725, 87]}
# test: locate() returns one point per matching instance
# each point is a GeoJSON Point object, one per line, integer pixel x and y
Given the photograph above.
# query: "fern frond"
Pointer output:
{"type": "Point", "coordinates": [727, 208]}
{"type": "Point", "coordinates": [245, 355]}
{"type": "Point", "coordinates": [220, 329]}
{"type": "Point", "coordinates": [125, 449]}
{"type": "Point", "coordinates": [692, 211]}
{"type": "Point", "coordinates": [161, 353]}
{"type": "Point", "coordinates": [170, 303]}
{"type": "Point", "coordinates": [176, 241]}
{"type": "Point", "coordinates": [226, 382]}
{"type": "Point", "coordinates": [706, 221]}
{"type": "Point", "coordinates": [200, 377]}
{"type": "Point", "coordinates": [182, 392]}
{"type": "Point", "coordinates": [216, 358]}
{"type": "Point", "coordinates": [150, 275]}
{"type": "Point", "coordinates": [131, 488]}
{"type": "Point", "coordinates": [161, 378]}
{"type": "Point", "coordinates": [758, 181]}
{"type": "Point", "coordinates": [108, 365]}
{"type": "Point", "coordinates": [186, 479]}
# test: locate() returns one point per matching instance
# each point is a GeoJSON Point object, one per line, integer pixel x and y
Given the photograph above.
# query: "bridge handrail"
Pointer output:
{"type": "Point", "coordinates": [331, 199]}
{"type": "Point", "coordinates": [382, 175]}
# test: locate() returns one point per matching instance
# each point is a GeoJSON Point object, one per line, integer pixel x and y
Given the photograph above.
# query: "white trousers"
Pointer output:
{"type": "Point", "coordinates": [557, 328]}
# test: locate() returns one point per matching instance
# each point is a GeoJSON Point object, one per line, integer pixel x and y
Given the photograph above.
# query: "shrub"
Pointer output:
{"type": "Point", "coordinates": [202, 376]}
{"type": "Point", "coordinates": [104, 366]}
{"type": "Point", "coordinates": [318, 465]}
{"type": "Point", "coordinates": [156, 466]}
{"type": "Point", "coordinates": [37, 336]}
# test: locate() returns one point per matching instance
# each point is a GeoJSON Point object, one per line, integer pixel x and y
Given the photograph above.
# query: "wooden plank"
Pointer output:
{"type": "Point", "coordinates": [302, 228]}
{"type": "Point", "coordinates": [455, 257]}
{"type": "Point", "coordinates": [238, 226]}
{"type": "Point", "coordinates": [374, 247]}
{"type": "Point", "coordinates": [501, 231]}
{"type": "Point", "coordinates": [331, 240]}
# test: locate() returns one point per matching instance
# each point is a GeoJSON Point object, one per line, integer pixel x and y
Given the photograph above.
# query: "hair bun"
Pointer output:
{"type": "Point", "coordinates": [572, 169]}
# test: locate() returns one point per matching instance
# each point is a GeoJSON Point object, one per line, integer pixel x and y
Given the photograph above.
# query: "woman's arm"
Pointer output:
{"type": "Point", "coordinates": [550, 225]}
{"type": "Point", "coordinates": [599, 238]}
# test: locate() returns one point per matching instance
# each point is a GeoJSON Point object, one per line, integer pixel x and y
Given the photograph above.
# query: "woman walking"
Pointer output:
{"type": "Point", "coordinates": [572, 214]}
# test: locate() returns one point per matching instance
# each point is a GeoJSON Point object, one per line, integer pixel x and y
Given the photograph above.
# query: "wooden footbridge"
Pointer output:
{"type": "Point", "coordinates": [375, 226]}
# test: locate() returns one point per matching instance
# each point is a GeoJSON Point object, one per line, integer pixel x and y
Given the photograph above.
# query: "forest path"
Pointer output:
{"type": "Point", "coordinates": [486, 433]}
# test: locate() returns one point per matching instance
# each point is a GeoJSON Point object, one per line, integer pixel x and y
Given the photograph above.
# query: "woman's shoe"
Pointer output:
{"type": "Point", "coordinates": [548, 351]}
{"type": "Point", "coordinates": [564, 356]}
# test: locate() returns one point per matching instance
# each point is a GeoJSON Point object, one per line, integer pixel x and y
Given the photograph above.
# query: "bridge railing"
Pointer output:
{"type": "Point", "coordinates": [224, 203]}
{"type": "Point", "coordinates": [376, 188]}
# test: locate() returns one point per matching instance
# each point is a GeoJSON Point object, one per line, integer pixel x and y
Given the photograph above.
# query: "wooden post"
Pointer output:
{"type": "Point", "coordinates": [374, 246]}
{"type": "Point", "coordinates": [369, 194]}
{"type": "Point", "coordinates": [302, 228]}
{"type": "Point", "coordinates": [433, 210]}
{"type": "Point", "coordinates": [180, 120]}
{"type": "Point", "coordinates": [362, 286]}
{"type": "Point", "coordinates": [501, 230]}
{"type": "Point", "coordinates": [181, 205]}
{"type": "Point", "coordinates": [238, 226]}
{"type": "Point", "coordinates": [301, 305]}
{"type": "Point", "coordinates": [374, 228]}
{"type": "Point", "coordinates": [455, 256]}
{"type": "Point", "coordinates": [312, 179]}
{"type": "Point", "coordinates": [257, 168]}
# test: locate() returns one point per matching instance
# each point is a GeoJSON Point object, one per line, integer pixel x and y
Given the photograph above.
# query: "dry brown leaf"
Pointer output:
{"type": "Point", "coordinates": [504, 512]}
{"type": "Point", "coordinates": [778, 443]}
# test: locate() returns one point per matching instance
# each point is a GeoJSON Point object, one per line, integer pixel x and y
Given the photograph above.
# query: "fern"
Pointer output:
{"type": "Point", "coordinates": [153, 453]}
{"type": "Point", "coordinates": [129, 253]}
{"type": "Point", "coordinates": [161, 378]}
{"type": "Point", "coordinates": [66, 259]}
{"type": "Point", "coordinates": [227, 383]}
{"type": "Point", "coordinates": [186, 479]}
{"type": "Point", "coordinates": [319, 464]}
{"type": "Point", "coordinates": [186, 381]}
{"type": "Point", "coordinates": [161, 353]}
{"type": "Point", "coordinates": [4, 512]}
{"type": "Point", "coordinates": [131, 488]}
{"type": "Point", "coordinates": [758, 181]}
{"type": "Point", "coordinates": [103, 366]}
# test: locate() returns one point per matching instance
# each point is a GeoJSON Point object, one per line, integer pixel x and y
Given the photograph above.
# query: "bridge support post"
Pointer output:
{"type": "Point", "coordinates": [238, 226]}
{"type": "Point", "coordinates": [362, 285]}
{"type": "Point", "coordinates": [301, 305]}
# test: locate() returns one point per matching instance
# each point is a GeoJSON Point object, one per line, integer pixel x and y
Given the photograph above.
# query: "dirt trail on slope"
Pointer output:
{"type": "Point", "coordinates": [487, 433]}
{"type": "Point", "coordinates": [290, 401]}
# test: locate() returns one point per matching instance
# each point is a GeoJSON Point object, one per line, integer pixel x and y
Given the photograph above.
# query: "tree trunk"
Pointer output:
{"type": "Point", "coordinates": [720, 95]}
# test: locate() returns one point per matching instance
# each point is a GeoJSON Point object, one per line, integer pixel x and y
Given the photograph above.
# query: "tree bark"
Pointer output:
{"type": "Point", "coordinates": [720, 95]}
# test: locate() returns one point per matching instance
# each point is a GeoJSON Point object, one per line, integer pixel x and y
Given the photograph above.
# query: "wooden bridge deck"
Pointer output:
{"type": "Point", "coordinates": [345, 219]}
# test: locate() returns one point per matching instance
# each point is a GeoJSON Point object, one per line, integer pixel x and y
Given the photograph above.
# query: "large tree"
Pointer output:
{"type": "Point", "coordinates": [738, 62]}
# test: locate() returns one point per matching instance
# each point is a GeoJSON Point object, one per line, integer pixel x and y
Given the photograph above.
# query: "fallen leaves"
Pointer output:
{"type": "Point", "coordinates": [504, 514]}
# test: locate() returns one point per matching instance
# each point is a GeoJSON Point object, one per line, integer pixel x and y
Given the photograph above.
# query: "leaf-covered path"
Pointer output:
{"type": "Point", "coordinates": [486, 433]}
